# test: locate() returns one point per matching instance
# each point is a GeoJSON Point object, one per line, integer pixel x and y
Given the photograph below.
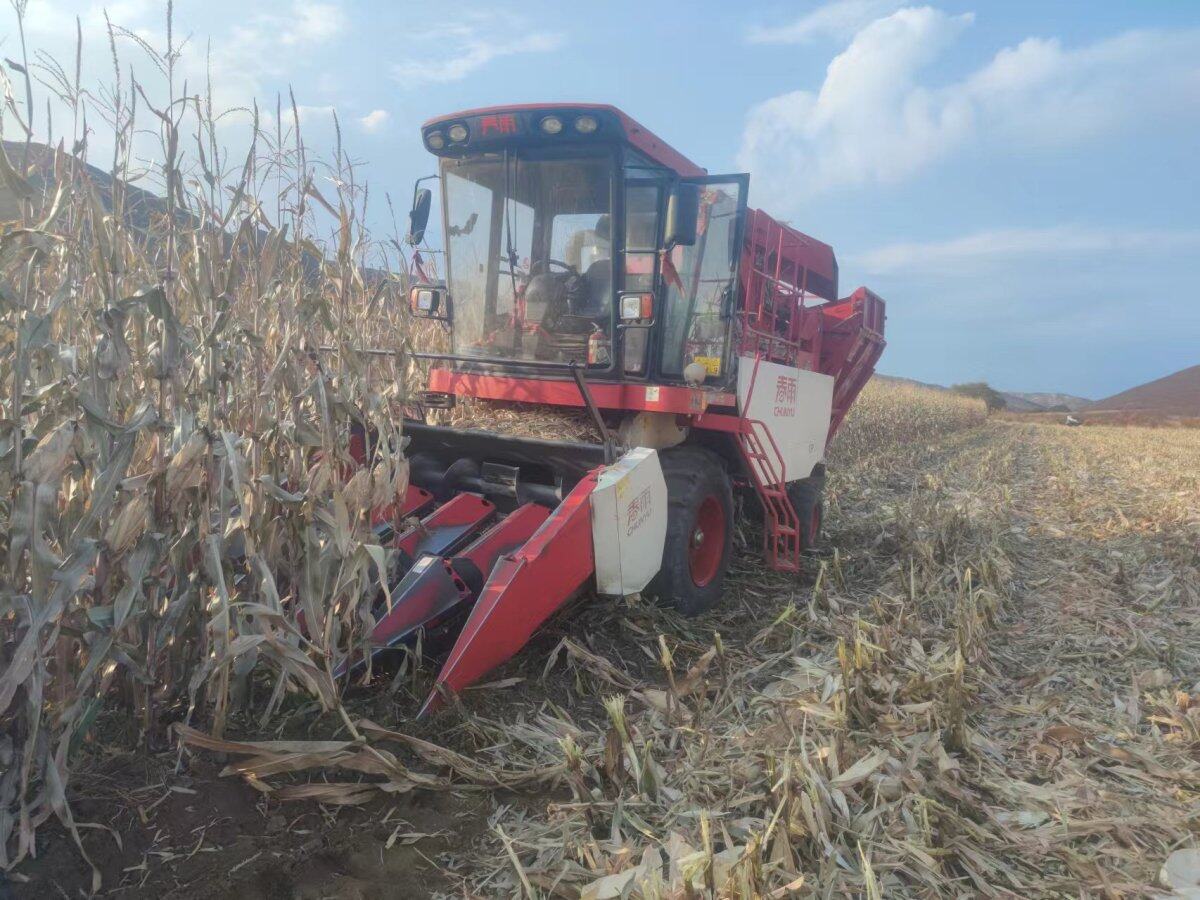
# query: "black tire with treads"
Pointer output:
{"type": "Point", "coordinates": [806, 496]}
{"type": "Point", "coordinates": [698, 490]}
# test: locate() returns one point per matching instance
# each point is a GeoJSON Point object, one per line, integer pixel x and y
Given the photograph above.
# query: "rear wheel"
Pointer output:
{"type": "Point", "coordinates": [699, 531]}
{"type": "Point", "coordinates": [806, 496]}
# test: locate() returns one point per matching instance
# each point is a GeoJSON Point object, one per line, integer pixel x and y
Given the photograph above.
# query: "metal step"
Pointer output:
{"type": "Point", "coordinates": [781, 531]}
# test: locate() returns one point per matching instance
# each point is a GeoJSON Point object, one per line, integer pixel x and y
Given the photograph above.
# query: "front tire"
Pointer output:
{"type": "Point", "coordinates": [699, 531]}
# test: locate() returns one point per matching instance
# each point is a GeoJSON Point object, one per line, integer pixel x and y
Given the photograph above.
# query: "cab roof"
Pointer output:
{"type": "Point", "coordinates": [525, 118]}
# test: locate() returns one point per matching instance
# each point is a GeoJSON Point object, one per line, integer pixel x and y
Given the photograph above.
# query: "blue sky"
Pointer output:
{"type": "Point", "coordinates": [1018, 179]}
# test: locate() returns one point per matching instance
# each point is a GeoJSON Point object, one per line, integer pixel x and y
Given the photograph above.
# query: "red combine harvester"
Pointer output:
{"type": "Point", "coordinates": [590, 265]}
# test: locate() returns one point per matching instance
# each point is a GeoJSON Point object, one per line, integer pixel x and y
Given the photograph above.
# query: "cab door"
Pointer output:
{"type": "Point", "coordinates": [641, 252]}
{"type": "Point", "coordinates": [699, 283]}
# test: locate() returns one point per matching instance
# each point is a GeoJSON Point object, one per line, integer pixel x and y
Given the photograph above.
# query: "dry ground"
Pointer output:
{"type": "Point", "coordinates": [895, 726]}
{"type": "Point", "coordinates": [1143, 418]}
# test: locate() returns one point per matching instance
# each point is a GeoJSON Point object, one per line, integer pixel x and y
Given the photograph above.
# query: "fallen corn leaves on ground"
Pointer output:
{"type": "Point", "coordinates": [989, 691]}
{"type": "Point", "coordinates": [985, 687]}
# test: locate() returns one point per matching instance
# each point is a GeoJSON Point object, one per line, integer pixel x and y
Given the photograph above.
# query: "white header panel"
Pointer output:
{"type": "Point", "coordinates": [795, 405]}
{"type": "Point", "coordinates": [629, 522]}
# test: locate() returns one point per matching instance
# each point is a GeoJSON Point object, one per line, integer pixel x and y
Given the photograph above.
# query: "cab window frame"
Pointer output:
{"type": "Point", "coordinates": [541, 228]}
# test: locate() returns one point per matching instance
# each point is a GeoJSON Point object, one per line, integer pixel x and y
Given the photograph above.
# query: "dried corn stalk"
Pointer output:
{"type": "Point", "coordinates": [175, 483]}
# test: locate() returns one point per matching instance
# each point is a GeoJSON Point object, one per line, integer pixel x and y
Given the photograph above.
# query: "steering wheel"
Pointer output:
{"type": "Point", "coordinates": [547, 265]}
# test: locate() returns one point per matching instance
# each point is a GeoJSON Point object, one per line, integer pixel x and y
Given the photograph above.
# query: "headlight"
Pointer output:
{"type": "Point", "coordinates": [552, 125]}
{"type": "Point", "coordinates": [434, 140]}
{"type": "Point", "coordinates": [458, 133]}
{"type": "Point", "coordinates": [637, 306]}
{"type": "Point", "coordinates": [426, 302]}
{"type": "Point", "coordinates": [586, 124]}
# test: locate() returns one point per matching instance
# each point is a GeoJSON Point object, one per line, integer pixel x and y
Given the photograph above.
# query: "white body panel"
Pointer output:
{"type": "Point", "coordinates": [795, 404]}
{"type": "Point", "coordinates": [629, 522]}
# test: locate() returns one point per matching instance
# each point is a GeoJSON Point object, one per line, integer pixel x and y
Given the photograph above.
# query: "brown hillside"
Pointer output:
{"type": "Point", "coordinates": [1177, 394]}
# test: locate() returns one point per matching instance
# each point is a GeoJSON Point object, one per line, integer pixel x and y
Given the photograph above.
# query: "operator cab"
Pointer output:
{"type": "Point", "coordinates": [575, 237]}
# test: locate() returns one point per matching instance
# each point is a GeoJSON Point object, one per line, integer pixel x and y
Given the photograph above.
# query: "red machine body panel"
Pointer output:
{"type": "Point", "coordinates": [781, 252]}
{"type": "Point", "coordinates": [416, 502]}
{"type": "Point", "coordinates": [523, 591]}
{"type": "Point", "coordinates": [447, 527]}
{"type": "Point", "coordinates": [436, 587]}
{"type": "Point", "coordinates": [560, 392]}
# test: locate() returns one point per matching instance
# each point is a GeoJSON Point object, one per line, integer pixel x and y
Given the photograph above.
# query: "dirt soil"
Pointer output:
{"type": "Point", "coordinates": [1092, 687]}
{"type": "Point", "coordinates": [155, 834]}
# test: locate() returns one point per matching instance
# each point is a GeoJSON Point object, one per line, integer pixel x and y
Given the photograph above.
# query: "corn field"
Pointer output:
{"type": "Point", "coordinates": [178, 378]}
{"type": "Point", "coordinates": [891, 414]}
{"type": "Point", "coordinates": [979, 687]}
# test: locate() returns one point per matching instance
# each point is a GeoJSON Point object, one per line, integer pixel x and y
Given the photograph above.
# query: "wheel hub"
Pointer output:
{"type": "Point", "coordinates": [707, 545]}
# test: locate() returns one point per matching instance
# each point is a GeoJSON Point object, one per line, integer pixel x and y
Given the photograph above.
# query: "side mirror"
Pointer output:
{"type": "Point", "coordinates": [429, 301]}
{"type": "Point", "coordinates": [683, 214]}
{"type": "Point", "coordinates": [418, 217]}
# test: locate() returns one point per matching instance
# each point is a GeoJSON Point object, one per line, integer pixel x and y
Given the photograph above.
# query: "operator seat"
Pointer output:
{"type": "Point", "coordinates": [598, 279]}
{"type": "Point", "coordinates": [551, 300]}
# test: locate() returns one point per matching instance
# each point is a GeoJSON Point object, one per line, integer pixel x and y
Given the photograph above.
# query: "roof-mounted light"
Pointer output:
{"type": "Point", "coordinates": [434, 140]}
{"type": "Point", "coordinates": [551, 125]}
{"type": "Point", "coordinates": [458, 133]}
{"type": "Point", "coordinates": [586, 124]}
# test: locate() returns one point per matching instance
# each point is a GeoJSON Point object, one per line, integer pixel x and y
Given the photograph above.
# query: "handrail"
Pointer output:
{"type": "Point", "coordinates": [749, 331]}
{"type": "Point", "coordinates": [752, 422]}
{"type": "Point", "coordinates": [750, 389]}
{"type": "Point", "coordinates": [774, 448]}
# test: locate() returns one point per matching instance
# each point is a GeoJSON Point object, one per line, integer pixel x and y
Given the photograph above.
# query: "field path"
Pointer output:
{"type": "Point", "coordinates": [1098, 668]}
{"type": "Point", "coordinates": [1003, 644]}
{"type": "Point", "coordinates": [1085, 720]}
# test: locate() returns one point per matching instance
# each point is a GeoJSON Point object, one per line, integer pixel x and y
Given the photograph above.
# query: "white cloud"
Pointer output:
{"type": "Point", "coordinates": [452, 52]}
{"type": "Point", "coordinates": [54, 18]}
{"type": "Point", "coordinates": [251, 54]}
{"type": "Point", "coordinates": [312, 23]}
{"type": "Point", "coordinates": [986, 251]}
{"type": "Point", "coordinates": [311, 114]}
{"type": "Point", "coordinates": [870, 121]}
{"type": "Point", "coordinates": [374, 120]}
{"type": "Point", "coordinates": [841, 18]}
{"type": "Point", "coordinates": [266, 47]}
{"type": "Point", "coordinates": [875, 121]}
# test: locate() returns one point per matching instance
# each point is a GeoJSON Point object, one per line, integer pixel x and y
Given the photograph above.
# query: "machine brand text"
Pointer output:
{"type": "Point", "coordinates": [504, 124]}
{"type": "Point", "coordinates": [637, 512]}
{"type": "Point", "coordinates": [785, 396]}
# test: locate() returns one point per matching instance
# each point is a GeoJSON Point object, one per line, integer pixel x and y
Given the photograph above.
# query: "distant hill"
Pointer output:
{"type": "Point", "coordinates": [1175, 395]}
{"type": "Point", "coordinates": [897, 379]}
{"type": "Point", "coordinates": [1019, 401]}
{"type": "Point", "coordinates": [142, 208]}
{"type": "Point", "coordinates": [140, 205]}
{"type": "Point", "coordinates": [1014, 402]}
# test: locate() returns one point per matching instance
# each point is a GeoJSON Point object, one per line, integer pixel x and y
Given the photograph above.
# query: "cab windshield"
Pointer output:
{"type": "Point", "coordinates": [529, 256]}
